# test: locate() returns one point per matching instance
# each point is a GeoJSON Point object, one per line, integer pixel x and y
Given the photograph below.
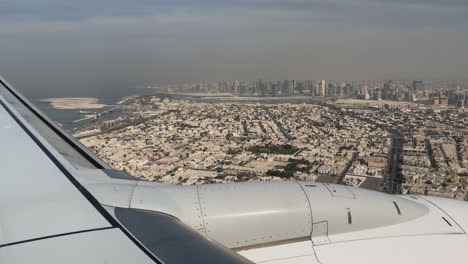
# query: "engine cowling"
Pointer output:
{"type": "Point", "coordinates": [250, 214]}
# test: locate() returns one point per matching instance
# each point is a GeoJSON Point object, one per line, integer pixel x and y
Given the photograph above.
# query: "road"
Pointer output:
{"type": "Point", "coordinates": [348, 166]}
{"type": "Point", "coordinates": [393, 178]}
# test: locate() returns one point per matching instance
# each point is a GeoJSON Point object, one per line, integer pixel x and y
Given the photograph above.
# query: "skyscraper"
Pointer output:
{"type": "Point", "coordinates": [418, 85]}
{"type": "Point", "coordinates": [386, 91]}
{"type": "Point", "coordinates": [331, 89]}
{"type": "Point", "coordinates": [292, 86]}
{"type": "Point", "coordinates": [366, 93]}
{"type": "Point", "coordinates": [237, 87]}
{"type": "Point", "coordinates": [461, 101]}
{"type": "Point", "coordinates": [285, 87]}
{"type": "Point", "coordinates": [323, 87]}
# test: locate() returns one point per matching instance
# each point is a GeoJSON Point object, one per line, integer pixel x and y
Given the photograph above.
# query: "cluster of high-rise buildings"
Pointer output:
{"type": "Point", "coordinates": [276, 88]}
{"type": "Point", "coordinates": [435, 93]}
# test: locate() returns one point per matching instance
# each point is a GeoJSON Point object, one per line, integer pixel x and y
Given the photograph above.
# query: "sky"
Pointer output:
{"type": "Point", "coordinates": [52, 48]}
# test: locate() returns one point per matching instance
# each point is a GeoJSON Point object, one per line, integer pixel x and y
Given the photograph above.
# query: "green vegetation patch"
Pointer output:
{"type": "Point", "coordinates": [294, 165]}
{"type": "Point", "coordinates": [274, 149]}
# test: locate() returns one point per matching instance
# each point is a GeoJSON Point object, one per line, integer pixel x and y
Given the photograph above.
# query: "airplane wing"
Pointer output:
{"type": "Point", "coordinates": [48, 216]}
{"type": "Point", "coordinates": [59, 203]}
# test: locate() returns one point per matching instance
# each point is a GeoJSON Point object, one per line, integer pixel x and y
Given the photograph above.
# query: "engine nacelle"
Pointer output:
{"type": "Point", "coordinates": [240, 215]}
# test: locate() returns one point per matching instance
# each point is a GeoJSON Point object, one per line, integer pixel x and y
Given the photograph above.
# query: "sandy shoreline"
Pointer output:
{"type": "Point", "coordinates": [74, 103]}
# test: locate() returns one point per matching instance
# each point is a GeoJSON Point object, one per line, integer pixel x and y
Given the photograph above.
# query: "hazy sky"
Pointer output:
{"type": "Point", "coordinates": [81, 47]}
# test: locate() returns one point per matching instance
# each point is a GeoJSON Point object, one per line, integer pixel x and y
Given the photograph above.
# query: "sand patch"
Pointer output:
{"type": "Point", "coordinates": [74, 103]}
